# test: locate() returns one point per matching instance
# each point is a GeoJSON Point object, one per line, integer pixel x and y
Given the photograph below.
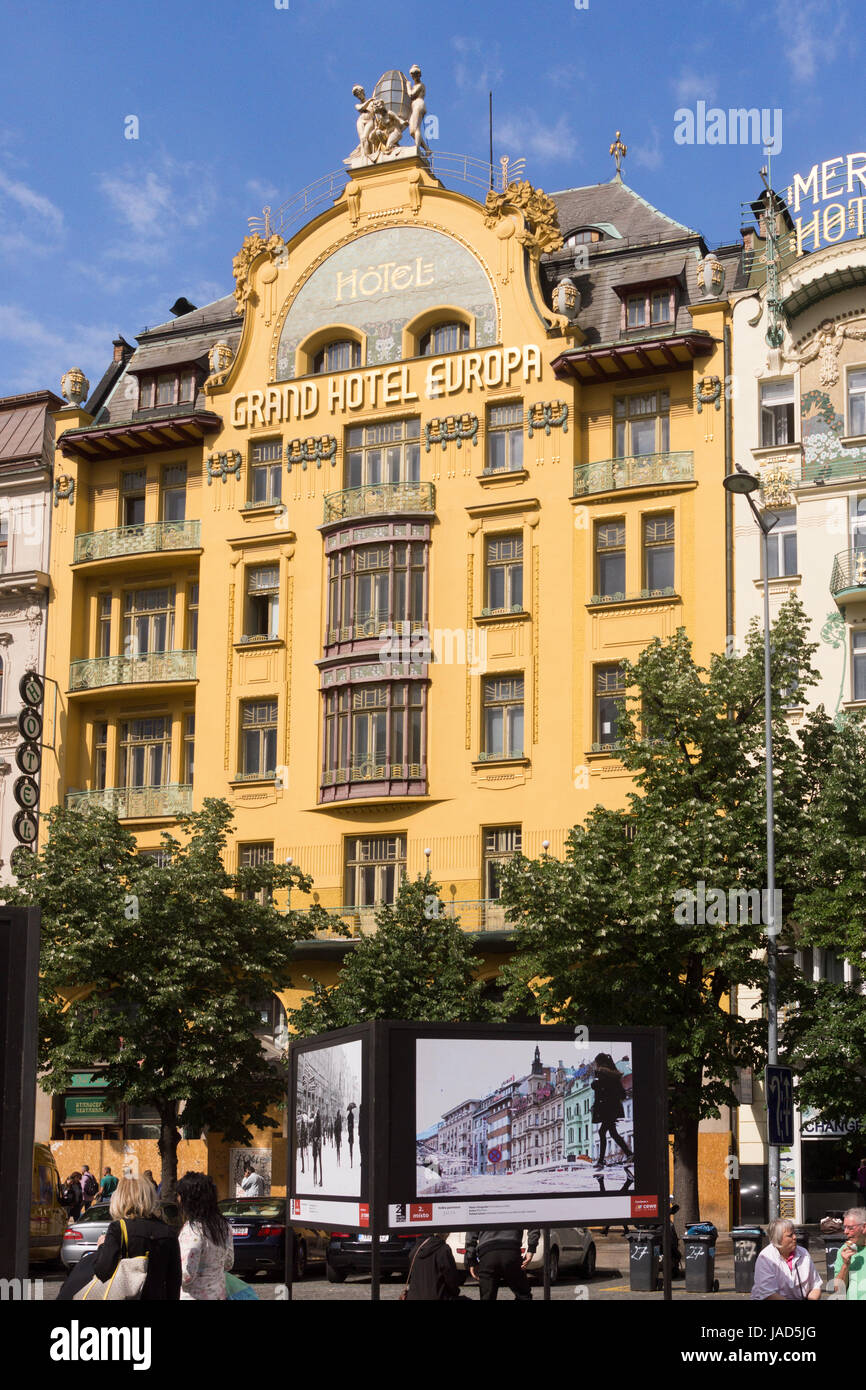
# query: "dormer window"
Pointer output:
{"type": "Point", "coordinates": [340, 356]}
{"type": "Point", "coordinates": [175, 387]}
{"type": "Point", "coordinates": [649, 310]}
{"type": "Point", "coordinates": [582, 237]}
{"type": "Point", "coordinates": [444, 337]}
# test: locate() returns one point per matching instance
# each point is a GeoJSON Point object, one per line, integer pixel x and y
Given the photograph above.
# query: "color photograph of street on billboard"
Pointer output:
{"type": "Point", "coordinates": [541, 1115]}
{"type": "Point", "coordinates": [328, 1121]}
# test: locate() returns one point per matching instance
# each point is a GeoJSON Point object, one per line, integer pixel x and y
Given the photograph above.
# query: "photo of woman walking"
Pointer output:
{"type": "Point", "coordinates": [608, 1106]}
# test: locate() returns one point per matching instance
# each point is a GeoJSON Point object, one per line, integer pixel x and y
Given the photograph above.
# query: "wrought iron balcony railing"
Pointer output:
{"type": "Point", "coordinates": [367, 770]}
{"type": "Point", "coordinates": [98, 671]}
{"type": "Point", "coordinates": [473, 914]}
{"type": "Point", "coordinates": [849, 574]}
{"type": "Point", "coordinates": [638, 470]}
{"type": "Point", "coordinates": [380, 500]}
{"type": "Point", "coordinates": [824, 470]}
{"type": "Point", "coordinates": [135, 803]}
{"type": "Point", "coordinates": [138, 540]}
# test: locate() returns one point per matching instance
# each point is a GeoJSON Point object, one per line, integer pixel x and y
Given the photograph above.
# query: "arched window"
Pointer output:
{"type": "Point", "coordinates": [445, 337]}
{"type": "Point", "coordinates": [582, 236]}
{"type": "Point", "coordinates": [338, 357]}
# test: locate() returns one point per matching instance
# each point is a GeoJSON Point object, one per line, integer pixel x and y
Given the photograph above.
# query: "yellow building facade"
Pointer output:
{"type": "Point", "coordinates": [361, 546]}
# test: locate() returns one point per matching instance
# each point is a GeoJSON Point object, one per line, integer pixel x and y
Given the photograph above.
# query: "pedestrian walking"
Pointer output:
{"type": "Point", "coordinates": [303, 1139]}
{"type": "Point", "coordinates": [433, 1273]}
{"type": "Point", "coordinates": [137, 1228]}
{"type": "Point", "coordinates": [496, 1258]}
{"type": "Point", "coordinates": [317, 1147]}
{"type": "Point", "coordinates": [607, 1106]}
{"type": "Point", "coordinates": [72, 1196]}
{"type": "Point", "coordinates": [252, 1183]}
{"type": "Point", "coordinates": [107, 1184]}
{"type": "Point", "coordinates": [861, 1177]}
{"type": "Point", "coordinates": [338, 1134]}
{"type": "Point", "coordinates": [89, 1186]}
{"type": "Point", "coordinates": [782, 1271]}
{"type": "Point", "coordinates": [849, 1272]}
{"type": "Point", "coordinates": [350, 1129]}
{"type": "Point", "coordinates": [206, 1243]}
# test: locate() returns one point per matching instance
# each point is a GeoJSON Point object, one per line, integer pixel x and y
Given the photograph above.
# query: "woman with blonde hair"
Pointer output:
{"type": "Point", "coordinates": [137, 1228]}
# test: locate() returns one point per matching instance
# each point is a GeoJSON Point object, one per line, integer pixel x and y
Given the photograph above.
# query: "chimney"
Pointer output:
{"type": "Point", "coordinates": [122, 349]}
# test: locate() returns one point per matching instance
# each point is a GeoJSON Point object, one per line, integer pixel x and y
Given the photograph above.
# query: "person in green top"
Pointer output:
{"type": "Point", "coordinates": [850, 1267]}
{"type": "Point", "coordinates": [107, 1185]}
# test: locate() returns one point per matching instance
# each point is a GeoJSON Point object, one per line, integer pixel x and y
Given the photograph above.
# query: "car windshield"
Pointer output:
{"type": "Point", "coordinates": [241, 1208]}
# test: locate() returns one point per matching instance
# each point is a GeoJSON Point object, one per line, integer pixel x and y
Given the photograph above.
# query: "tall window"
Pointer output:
{"type": "Point", "coordinates": [649, 309]}
{"type": "Point", "coordinates": [858, 664]}
{"type": "Point", "coordinates": [777, 412]}
{"type": "Point", "coordinates": [145, 746]}
{"type": "Point", "coordinates": [375, 865]}
{"type": "Point", "coordinates": [374, 733]}
{"type": "Point", "coordinates": [388, 453]}
{"type": "Point", "coordinates": [100, 755]}
{"type": "Point", "coordinates": [505, 438]}
{"type": "Point", "coordinates": [132, 490]}
{"type": "Point", "coordinates": [148, 621]}
{"type": "Point", "coordinates": [504, 580]}
{"type": "Point", "coordinates": [503, 717]}
{"type": "Point", "coordinates": [610, 558]}
{"type": "Point", "coordinates": [103, 625]}
{"type": "Point", "coordinates": [4, 544]}
{"type": "Point", "coordinates": [609, 695]}
{"type": "Point", "coordinates": [445, 337]}
{"type": "Point", "coordinates": [857, 402]}
{"type": "Point", "coordinates": [192, 617]}
{"type": "Point", "coordinates": [338, 357]}
{"type": "Point", "coordinates": [658, 551]}
{"type": "Point", "coordinates": [259, 738]}
{"type": "Point", "coordinates": [266, 472]}
{"type": "Point", "coordinates": [782, 545]}
{"type": "Point", "coordinates": [642, 424]}
{"type": "Point", "coordinates": [188, 749]}
{"type": "Point", "coordinates": [174, 492]}
{"type": "Point", "coordinates": [500, 846]}
{"type": "Point", "coordinates": [253, 857]}
{"type": "Point", "coordinates": [263, 603]}
{"type": "Point", "coordinates": [858, 523]}
{"type": "Point", "coordinates": [373, 587]}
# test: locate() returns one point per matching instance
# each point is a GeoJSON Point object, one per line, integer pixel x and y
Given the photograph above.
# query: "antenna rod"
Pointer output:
{"type": "Point", "coordinates": [490, 94]}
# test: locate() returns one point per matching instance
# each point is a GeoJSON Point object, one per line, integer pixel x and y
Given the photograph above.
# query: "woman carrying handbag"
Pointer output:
{"type": "Point", "coordinates": [138, 1257]}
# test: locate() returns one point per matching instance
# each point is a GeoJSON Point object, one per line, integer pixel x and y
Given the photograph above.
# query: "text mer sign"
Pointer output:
{"type": "Point", "coordinates": [841, 178]}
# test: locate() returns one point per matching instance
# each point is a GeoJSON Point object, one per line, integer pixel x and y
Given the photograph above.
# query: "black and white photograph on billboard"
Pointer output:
{"type": "Point", "coordinates": [546, 1115]}
{"type": "Point", "coordinates": [328, 1120]}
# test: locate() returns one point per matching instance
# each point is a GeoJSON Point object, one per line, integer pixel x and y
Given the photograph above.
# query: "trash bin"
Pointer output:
{"type": "Point", "coordinates": [700, 1246]}
{"type": "Point", "coordinates": [748, 1243]}
{"type": "Point", "coordinates": [643, 1261]}
{"type": "Point", "coordinates": [802, 1237]}
{"type": "Point", "coordinates": [832, 1246]}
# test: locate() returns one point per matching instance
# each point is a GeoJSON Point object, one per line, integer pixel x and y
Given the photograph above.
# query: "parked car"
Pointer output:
{"type": "Point", "coordinates": [571, 1247]}
{"type": "Point", "coordinates": [48, 1216]}
{"type": "Point", "coordinates": [353, 1253]}
{"type": "Point", "coordinates": [82, 1237]}
{"type": "Point", "coordinates": [259, 1233]}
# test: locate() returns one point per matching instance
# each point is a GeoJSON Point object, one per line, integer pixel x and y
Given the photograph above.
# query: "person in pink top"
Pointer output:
{"type": "Point", "coordinates": [783, 1271]}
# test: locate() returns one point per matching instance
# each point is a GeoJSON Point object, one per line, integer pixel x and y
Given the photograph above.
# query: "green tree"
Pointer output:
{"type": "Point", "coordinates": [151, 971]}
{"type": "Point", "coordinates": [417, 966]}
{"type": "Point", "coordinates": [606, 937]}
{"type": "Point", "coordinates": [824, 1032]}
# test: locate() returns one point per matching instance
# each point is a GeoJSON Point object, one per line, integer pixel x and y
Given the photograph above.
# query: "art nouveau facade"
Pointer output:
{"type": "Point", "coordinates": [361, 546]}
{"type": "Point", "coordinates": [26, 456]}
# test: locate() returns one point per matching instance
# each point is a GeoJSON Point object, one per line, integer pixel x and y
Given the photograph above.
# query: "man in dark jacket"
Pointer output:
{"type": "Point", "coordinates": [433, 1274]}
{"type": "Point", "coordinates": [496, 1257]}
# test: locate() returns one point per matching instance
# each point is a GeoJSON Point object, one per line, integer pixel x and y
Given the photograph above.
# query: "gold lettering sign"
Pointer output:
{"type": "Point", "coordinates": [381, 279]}
{"type": "Point", "coordinates": [841, 177]}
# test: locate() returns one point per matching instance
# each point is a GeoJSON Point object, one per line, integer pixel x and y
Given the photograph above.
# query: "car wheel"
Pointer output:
{"type": "Point", "coordinates": [335, 1276]}
{"type": "Point", "coordinates": [588, 1268]}
{"type": "Point", "coordinates": [554, 1265]}
{"type": "Point", "coordinates": [300, 1261]}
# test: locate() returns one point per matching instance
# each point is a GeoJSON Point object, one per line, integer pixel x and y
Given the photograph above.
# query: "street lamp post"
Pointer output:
{"type": "Point", "coordinates": [745, 484]}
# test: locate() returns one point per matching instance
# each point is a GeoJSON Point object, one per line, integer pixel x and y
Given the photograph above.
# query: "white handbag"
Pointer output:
{"type": "Point", "coordinates": [125, 1284]}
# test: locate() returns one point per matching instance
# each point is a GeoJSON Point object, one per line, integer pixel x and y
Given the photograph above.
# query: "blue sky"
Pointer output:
{"type": "Point", "coordinates": [242, 103]}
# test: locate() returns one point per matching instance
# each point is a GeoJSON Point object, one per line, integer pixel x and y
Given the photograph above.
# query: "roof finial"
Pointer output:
{"type": "Point", "coordinates": [619, 152]}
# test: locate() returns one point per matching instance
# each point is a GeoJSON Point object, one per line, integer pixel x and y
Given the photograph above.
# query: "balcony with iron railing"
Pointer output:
{"type": "Point", "coordinates": [638, 470]}
{"type": "Point", "coordinates": [848, 577]}
{"type": "Point", "coordinates": [475, 915]}
{"type": "Point", "coordinates": [150, 668]}
{"type": "Point", "coordinates": [135, 803]}
{"type": "Point", "coordinates": [380, 499]}
{"type": "Point", "coordinates": [151, 539]}
{"type": "Point", "coordinates": [370, 770]}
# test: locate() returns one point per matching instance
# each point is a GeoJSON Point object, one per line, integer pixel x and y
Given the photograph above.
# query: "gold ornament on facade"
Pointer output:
{"type": "Point", "coordinates": [74, 386]}
{"type": "Point", "coordinates": [253, 247]}
{"type": "Point", "coordinates": [540, 231]}
{"type": "Point", "coordinates": [219, 360]}
{"type": "Point", "coordinates": [776, 485]}
{"type": "Point", "coordinates": [619, 152]}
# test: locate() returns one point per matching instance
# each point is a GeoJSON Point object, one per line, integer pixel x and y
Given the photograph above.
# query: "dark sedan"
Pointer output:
{"type": "Point", "coordinates": [259, 1233]}
{"type": "Point", "coordinates": [353, 1253]}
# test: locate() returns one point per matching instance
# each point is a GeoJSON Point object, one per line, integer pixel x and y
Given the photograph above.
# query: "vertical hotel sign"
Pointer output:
{"type": "Point", "coordinates": [829, 201]}
{"type": "Point", "coordinates": [28, 757]}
